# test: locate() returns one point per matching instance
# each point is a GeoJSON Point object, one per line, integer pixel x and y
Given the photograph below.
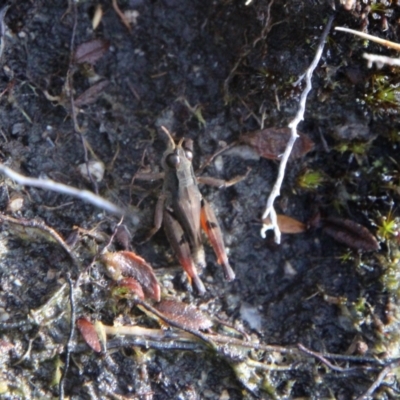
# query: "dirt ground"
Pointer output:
{"type": "Point", "coordinates": [211, 71]}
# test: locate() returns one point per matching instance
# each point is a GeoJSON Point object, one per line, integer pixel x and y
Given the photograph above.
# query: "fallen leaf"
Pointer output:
{"type": "Point", "coordinates": [350, 233]}
{"type": "Point", "coordinates": [97, 17]}
{"type": "Point", "coordinates": [186, 315]}
{"type": "Point", "coordinates": [271, 143]}
{"type": "Point", "coordinates": [91, 51]}
{"type": "Point", "coordinates": [287, 224]}
{"type": "Point", "coordinates": [88, 331]}
{"type": "Point", "coordinates": [123, 264]}
{"type": "Point", "coordinates": [90, 95]}
{"type": "Point", "coordinates": [133, 286]}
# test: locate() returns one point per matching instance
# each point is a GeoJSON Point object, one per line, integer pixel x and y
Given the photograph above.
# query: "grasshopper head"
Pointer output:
{"type": "Point", "coordinates": [177, 154]}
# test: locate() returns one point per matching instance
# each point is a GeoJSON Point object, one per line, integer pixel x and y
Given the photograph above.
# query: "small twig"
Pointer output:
{"type": "Point", "coordinates": [375, 39]}
{"type": "Point", "coordinates": [5, 326]}
{"type": "Point", "coordinates": [3, 26]}
{"type": "Point", "coordinates": [213, 156]}
{"type": "Point", "coordinates": [268, 367]}
{"type": "Point", "coordinates": [267, 26]}
{"type": "Point", "coordinates": [70, 93]}
{"type": "Point", "coordinates": [110, 241]}
{"type": "Point", "coordinates": [378, 381]}
{"type": "Point", "coordinates": [48, 184]}
{"type": "Point", "coordinates": [247, 50]}
{"type": "Point", "coordinates": [269, 210]}
{"type": "Point", "coordinates": [121, 15]}
{"type": "Point", "coordinates": [42, 227]}
{"type": "Point", "coordinates": [129, 341]}
{"type": "Point", "coordinates": [69, 345]}
{"type": "Point", "coordinates": [321, 358]}
{"type": "Point", "coordinates": [380, 61]}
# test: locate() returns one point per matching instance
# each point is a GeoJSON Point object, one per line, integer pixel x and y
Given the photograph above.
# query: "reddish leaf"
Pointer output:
{"type": "Point", "coordinates": [133, 286]}
{"type": "Point", "coordinates": [287, 224]}
{"type": "Point", "coordinates": [350, 233]}
{"type": "Point", "coordinates": [271, 143]}
{"type": "Point", "coordinates": [92, 94]}
{"type": "Point", "coordinates": [91, 51]}
{"type": "Point", "coordinates": [87, 330]}
{"type": "Point", "coordinates": [124, 264]}
{"type": "Point", "coordinates": [187, 315]}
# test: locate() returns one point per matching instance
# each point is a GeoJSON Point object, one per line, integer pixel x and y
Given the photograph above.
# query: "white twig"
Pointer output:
{"type": "Point", "coordinates": [380, 61]}
{"type": "Point", "coordinates": [48, 184]}
{"type": "Point", "coordinates": [270, 210]}
{"type": "Point", "coordinates": [375, 39]}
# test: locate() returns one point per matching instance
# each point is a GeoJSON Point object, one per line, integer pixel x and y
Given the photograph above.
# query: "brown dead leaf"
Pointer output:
{"type": "Point", "coordinates": [287, 224]}
{"type": "Point", "coordinates": [123, 264]}
{"type": "Point", "coordinates": [133, 286]}
{"type": "Point", "coordinates": [350, 233]}
{"type": "Point", "coordinates": [92, 94]}
{"type": "Point", "coordinates": [186, 315]}
{"type": "Point", "coordinates": [91, 51]}
{"type": "Point", "coordinates": [271, 143]}
{"type": "Point", "coordinates": [88, 331]}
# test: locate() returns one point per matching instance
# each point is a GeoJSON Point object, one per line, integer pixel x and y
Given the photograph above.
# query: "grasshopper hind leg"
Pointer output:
{"type": "Point", "coordinates": [210, 225]}
{"type": "Point", "coordinates": [180, 245]}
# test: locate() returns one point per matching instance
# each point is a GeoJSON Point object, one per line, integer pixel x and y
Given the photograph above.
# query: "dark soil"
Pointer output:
{"type": "Point", "coordinates": [210, 71]}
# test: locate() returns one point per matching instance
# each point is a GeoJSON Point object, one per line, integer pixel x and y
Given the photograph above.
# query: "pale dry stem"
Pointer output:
{"type": "Point", "coordinates": [48, 184]}
{"type": "Point", "coordinates": [270, 210]}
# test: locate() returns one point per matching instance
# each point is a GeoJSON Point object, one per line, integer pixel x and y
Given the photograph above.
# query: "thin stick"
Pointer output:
{"type": "Point", "coordinates": [69, 345]}
{"type": "Point", "coordinates": [320, 357]}
{"type": "Point", "coordinates": [69, 85]}
{"type": "Point", "coordinates": [378, 381]}
{"type": "Point", "coordinates": [380, 61]}
{"type": "Point", "coordinates": [3, 27]}
{"type": "Point", "coordinates": [375, 39]}
{"type": "Point", "coordinates": [121, 15]}
{"type": "Point", "coordinates": [48, 184]}
{"type": "Point", "coordinates": [269, 210]}
{"type": "Point", "coordinates": [43, 227]}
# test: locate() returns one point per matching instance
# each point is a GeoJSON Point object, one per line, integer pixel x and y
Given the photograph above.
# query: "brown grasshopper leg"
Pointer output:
{"type": "Point", "coordinates": [211, 227]}
{"type": "Point", "coordinates": [221, 183]}
{"type": "Point", "coordinates": [158, 218]}
{"type": "Point", "coordinates": [179, 243]}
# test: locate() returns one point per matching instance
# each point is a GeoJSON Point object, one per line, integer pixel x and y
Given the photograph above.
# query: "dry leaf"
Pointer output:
{"type": "Point", "coordinates": [271, 143]}
{"type": "Point", "coordinates": [92, 94]}
{"type": "Point", "coordinates": [186, 315]}
{"type": "Point", "coordinates": [133, 286]}
{"type": "Point", "coordinates": [350, 233]}
{"type": "Point", "coordinates": [287, 224]}
{"type": "Point", "coordinates": [97, 17]}
{"type": "Point", "coordinates": [91, 51]}
{"type": "Point", "coordinates": [123, 264]}
{"type": "Point", "coordinates": [88, 331]}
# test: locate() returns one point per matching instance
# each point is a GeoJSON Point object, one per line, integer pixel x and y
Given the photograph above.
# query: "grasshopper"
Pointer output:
{"type": "Point", "coordinates": [183, 211]}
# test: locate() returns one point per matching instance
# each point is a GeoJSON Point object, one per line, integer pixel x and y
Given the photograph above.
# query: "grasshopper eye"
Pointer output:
{"type": "Point", "coordinates": [173, 160]}
{"type": "Point", "coordinates": [189, 154]}
{"type": "Point", "coordinates": [188, 147]}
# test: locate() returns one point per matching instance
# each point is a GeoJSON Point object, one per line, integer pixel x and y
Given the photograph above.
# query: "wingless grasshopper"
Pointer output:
{"type": "Point", "coordinates": [183, 211]}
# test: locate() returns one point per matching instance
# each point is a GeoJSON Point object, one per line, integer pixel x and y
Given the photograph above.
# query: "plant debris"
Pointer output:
{"type": "Point", "coordinates": [187, 315]}
{"type": "Point", "coordinates": [350, 233]}
{"type": "Point", "coordinates": [125, 264]}
{"type": "Point", "coordinates": [271, 143]}
{"type": "Point", "coordinates": [91, 51]}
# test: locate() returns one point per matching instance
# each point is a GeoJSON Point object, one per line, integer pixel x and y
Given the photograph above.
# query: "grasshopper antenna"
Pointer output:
{"type": "Point", "coordinates": [166, 131]}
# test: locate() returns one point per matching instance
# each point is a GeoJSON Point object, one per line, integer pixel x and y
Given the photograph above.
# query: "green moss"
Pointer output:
{"type": "Point", "coordinates": [383, 94]}
{"type": "Point", "coordinates": [311, 179]}
{"type": "Point", "coordinates": [388, 227]}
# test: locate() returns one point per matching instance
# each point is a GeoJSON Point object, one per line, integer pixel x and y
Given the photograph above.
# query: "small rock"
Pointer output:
{"type": "Point", "coordinates": [96, 169]}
